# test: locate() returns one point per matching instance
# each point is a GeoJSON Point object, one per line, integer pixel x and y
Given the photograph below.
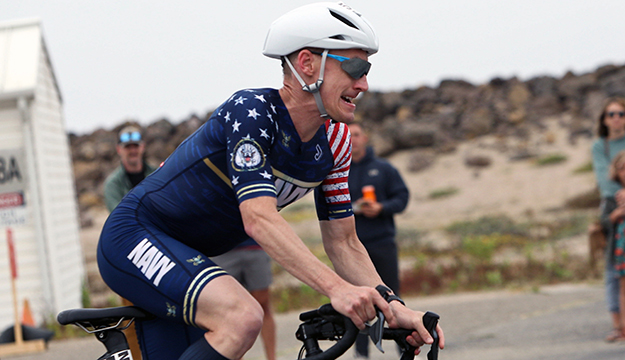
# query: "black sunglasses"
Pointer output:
{"type": "Point", "coordinates": [355, 67]}
{"type": "Point", "coordinates": [614, 113]}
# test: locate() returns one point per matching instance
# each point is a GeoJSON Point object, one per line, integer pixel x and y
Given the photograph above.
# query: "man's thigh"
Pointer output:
{"type": "Point", "coordinates": [155, 272]}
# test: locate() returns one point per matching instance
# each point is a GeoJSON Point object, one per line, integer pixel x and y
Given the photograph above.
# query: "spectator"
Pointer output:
{"type": "Point", "coordinates": [251, 266]}
{"type": "Point", "coordinates": [132, 170]}
{"type": "Point", "coordinates": [375, 225]}
{"type": "Point", "coordinates": [610, 141]}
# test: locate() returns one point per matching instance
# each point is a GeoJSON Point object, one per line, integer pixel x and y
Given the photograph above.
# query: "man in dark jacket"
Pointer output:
{"type": "Point", "coordinates": [374, 214]}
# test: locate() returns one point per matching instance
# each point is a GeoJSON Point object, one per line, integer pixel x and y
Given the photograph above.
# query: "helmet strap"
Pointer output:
{"type": "Point", "coordinates": [314, 87]}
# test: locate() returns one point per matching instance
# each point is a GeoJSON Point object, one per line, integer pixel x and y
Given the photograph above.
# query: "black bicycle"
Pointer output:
{"type": "Point", "coordinates": [322, 324]}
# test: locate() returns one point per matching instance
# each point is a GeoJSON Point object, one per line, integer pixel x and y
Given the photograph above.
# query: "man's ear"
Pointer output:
{"type": "Point", "coordinates": [306, 63]}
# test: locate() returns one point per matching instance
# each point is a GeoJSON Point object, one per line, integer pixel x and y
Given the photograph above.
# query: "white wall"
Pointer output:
{"type": "Point", "coordinates": [29, 283]}
{"type": "Point", "coordinates": [48, 251]}
{"type": "Point", "coordinates": [56, 185]}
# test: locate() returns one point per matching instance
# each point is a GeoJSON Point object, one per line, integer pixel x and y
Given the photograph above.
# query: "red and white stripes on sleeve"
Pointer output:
{"type": "Point", "coordinates": [335, 186]}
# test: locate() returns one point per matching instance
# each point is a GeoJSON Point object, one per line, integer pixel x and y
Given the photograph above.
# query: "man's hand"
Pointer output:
{"type": "Point", "coordinates": [368, 208]}
{"type": "Point", "coordinates": [358, 303]}
{"type": "Point", "coordinates": [410, 319]}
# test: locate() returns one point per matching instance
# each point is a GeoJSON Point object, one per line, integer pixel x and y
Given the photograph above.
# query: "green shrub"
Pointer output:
{"type": "Point", "coordinates": [586, 168]}
{"type": "Point", "coordinates": [480, 247]}
{"type": "Point", "coordinates": [487, 225]}
{"type": "Point", "coordinates": [296, 298]}
{"type": "Point", "coordinates": [444, 192]}
{"type": "Point", "coordinates": [551, 159]}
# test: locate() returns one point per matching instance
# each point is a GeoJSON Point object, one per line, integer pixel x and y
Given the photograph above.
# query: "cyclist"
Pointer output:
{"type": "Point", "coordinates": [261, 150]}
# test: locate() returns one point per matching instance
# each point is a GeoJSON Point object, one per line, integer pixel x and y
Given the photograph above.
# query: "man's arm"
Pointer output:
{"type": "Point", "coordinates": [264, 224]}
{"type": "Point", "coordinates": [351, 261]}
{"type": "Point", "coordinates": [348, 255]}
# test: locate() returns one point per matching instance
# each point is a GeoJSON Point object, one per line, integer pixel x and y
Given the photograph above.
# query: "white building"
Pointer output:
{"type": "Point", "coordinates": [37, 194]}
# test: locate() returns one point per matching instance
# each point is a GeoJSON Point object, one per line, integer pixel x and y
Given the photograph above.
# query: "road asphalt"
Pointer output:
{"type": "Point", "coordinates": [567, 321]}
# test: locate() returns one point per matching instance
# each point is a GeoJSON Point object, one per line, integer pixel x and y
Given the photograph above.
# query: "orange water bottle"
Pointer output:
{"type": "Point", "coordinates": [368, 193]}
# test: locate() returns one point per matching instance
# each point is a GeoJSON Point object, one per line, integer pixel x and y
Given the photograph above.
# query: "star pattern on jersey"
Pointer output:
{"type": "Point", "coordinates": [266, 175]}
{"type": "Point", "coordinates": [252, 113]}
{"type": "Point", "coordinates": [263, 133]}
{"type": "Point", "coordinates": [239, 101]}
{"type": "Point", "coordinates": [235, 180]}
{"type": "Point", "coordinates": [235, 126]}
{"type": "Point", "coordinates": [227, 117]}
{"type": "Point", "coordinates": [260, 97]}
{"type": "Point", "coordinates": [273, 108]}
{"type": "Point", "coordinates": [269, 116]}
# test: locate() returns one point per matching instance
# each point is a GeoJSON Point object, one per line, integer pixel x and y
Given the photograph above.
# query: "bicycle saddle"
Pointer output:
{"type": "Point", "coordinates": [99, 317]}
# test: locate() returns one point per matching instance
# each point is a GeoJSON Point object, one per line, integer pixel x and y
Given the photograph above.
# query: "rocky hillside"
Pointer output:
{"type": "Point", "coordinates": [435, 119]}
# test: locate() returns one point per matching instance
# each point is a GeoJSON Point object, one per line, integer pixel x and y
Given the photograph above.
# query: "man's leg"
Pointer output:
{"type": "Point", "coordinates": [268, 331]}
{"type": "Point", "coordinates": [231, 316]}
{"type": "Point", "coordinates": [252, 268]}
{"type": "Point", "coordinates": [181, 288]}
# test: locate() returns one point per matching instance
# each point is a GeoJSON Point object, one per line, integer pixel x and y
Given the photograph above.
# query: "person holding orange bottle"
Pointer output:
{"type": "Point", "coordinates": [378, 193]}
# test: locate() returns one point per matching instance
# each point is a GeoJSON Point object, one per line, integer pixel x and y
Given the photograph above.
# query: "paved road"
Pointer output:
{"type": "Point", "coordinates": [558, 322]}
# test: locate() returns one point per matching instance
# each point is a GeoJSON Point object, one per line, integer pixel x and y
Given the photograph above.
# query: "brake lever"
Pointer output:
{"type": "Point", "coordinates": [430, 320]}
{"type": "Point", "coordinates": [376, 330]}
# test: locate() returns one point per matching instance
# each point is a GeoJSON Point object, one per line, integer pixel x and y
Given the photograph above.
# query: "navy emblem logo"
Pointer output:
{"type": "Point", "coordinates": [248, 156]}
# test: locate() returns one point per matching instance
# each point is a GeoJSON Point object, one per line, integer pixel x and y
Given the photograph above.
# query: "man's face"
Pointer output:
{"type": "Point", "coordinates": [359, 140]}
{"type": "Point", "coordinates": [339, 89]}
{"type": "Point", "coordinates": [131, 155]}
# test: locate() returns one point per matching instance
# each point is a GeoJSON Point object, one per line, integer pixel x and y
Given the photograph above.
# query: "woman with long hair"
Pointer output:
{"type": "Point", "coordinates": [610, 142]}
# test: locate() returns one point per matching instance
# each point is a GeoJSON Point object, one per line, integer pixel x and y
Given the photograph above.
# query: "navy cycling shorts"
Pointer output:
{"type": "Point", "coordinates": [151, 269]}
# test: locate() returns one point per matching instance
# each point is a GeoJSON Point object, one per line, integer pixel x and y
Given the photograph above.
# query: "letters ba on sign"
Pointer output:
{"type": "Point", "coordinates": [12, 187]}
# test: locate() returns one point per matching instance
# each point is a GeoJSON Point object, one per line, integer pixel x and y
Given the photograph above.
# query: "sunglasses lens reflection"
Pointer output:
{"type": "Point", "coordinates": [356, 67]}
{"type": "Point", "coordinates": [132, 136]}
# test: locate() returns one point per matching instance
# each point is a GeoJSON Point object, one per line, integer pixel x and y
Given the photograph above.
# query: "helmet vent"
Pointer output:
{"type": "Point", "coordinates": [339, 37]}
{"type": "Point", "coordinates": [343, 20]}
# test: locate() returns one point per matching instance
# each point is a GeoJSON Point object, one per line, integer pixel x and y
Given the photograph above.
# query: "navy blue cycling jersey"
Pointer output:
{"type": "Point", "coordinates": [155, 245]}
{"type": "Point", "coordinates": [248, 148]}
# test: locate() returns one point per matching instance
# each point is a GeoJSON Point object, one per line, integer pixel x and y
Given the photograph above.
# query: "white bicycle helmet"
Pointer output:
{"type": "Point", "coordinates": [321, 25]}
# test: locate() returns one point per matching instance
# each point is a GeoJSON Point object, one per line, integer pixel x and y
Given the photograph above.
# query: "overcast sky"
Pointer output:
{"type": "Point", "coordinates": [143, 60]}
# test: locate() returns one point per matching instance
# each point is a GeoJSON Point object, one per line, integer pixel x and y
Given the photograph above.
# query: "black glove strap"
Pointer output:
{"type": "Point", "coordinates": [388, 295]}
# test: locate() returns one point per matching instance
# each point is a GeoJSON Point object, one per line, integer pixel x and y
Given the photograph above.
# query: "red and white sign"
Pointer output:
{"type": "Point", "coordinates": [13, 199]}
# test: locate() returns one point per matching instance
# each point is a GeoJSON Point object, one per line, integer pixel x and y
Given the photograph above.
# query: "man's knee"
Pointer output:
{"type": "Point", "coordinates": [229, 312]}
{"type": "Point", "coordinates": [250, 316]}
